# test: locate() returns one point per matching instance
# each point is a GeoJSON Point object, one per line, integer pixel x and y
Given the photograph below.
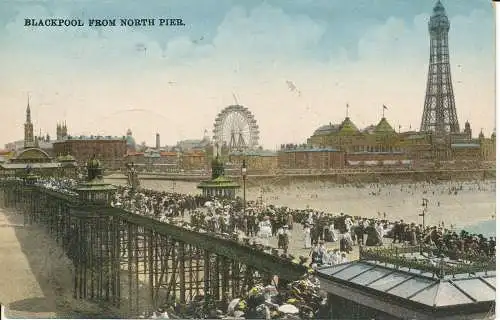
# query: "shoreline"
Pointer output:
{"type": "Point", "coordinates": [348, 177]}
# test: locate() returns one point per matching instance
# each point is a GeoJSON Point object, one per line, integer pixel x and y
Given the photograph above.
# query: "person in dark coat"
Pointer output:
{"type": "Point", "coordinates": [359, 230]}
{"type": "Point", "coordinates": [371, 235]}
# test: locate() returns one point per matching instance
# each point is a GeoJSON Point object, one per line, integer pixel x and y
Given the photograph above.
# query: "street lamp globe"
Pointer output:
{"type": "Point", "coordinates": [244, 168]}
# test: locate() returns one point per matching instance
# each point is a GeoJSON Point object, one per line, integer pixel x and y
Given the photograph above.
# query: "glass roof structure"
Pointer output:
{"type": "Point", "coordinates": [414, 285]}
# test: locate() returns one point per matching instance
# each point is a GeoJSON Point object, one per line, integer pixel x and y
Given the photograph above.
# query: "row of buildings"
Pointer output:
{"type": "Point", "coordinates": [340, 146]}
{"type": "Point", "coordinates": [113, 151]}
{"type": "Point", "coordinates": [332, 146]}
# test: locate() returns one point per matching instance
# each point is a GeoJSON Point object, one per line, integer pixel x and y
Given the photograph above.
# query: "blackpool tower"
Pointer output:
{"type": "Point", "coordinates": [440, 115]}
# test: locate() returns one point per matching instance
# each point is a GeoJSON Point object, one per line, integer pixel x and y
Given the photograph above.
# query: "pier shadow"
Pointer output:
{"type": "Point", "coordinates": [53, 272]}
{"type": "Point", "coordinates": [36, 305]}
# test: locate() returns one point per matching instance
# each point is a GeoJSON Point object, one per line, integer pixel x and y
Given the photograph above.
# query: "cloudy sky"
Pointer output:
{"type": "Point", "coordinates": [175, 80]}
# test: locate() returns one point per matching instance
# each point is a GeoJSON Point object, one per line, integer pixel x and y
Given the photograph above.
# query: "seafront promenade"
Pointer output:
{"type": "Point", "coordinates": [380, 175]}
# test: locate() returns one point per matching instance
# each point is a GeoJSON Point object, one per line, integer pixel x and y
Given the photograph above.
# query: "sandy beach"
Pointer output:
{"type": "Point", "coordinates": [474, 203]}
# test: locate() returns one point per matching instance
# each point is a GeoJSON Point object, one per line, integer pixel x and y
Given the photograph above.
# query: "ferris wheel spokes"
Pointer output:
{"type": "Point", "coordinates": [236, 127]}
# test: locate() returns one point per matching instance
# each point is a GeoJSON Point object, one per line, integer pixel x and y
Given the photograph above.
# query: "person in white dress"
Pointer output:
{"type": "Point", "coordinates": [307, 237]}
{"type": "Point", "coordinates": [380, 230]}
{"type": "Point", "coordinates": [335, 257]}
{"type": "Point", "coordinates": [331, 228]}
{"type": "Point", "coordinates": [280, 233]}
{"type": "Point", "coordinates": [348, 224]}
{"type": "Point", "coordinates": [343, 258]}
{"type": "Point", "coordinates": [265, 231]}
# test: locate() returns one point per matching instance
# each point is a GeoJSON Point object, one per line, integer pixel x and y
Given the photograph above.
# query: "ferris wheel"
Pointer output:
{"type": "Point", "coordinates": [236, 128]}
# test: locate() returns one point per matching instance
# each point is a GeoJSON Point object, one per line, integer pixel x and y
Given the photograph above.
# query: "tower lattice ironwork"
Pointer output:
{"type": "Point", "coordinates": [440, 114]}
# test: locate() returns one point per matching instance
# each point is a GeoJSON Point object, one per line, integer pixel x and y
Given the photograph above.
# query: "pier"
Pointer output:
{"type": "Point", "coordinates": [128, 264]}
{"type": "Point", "coordinates": [133, 263]}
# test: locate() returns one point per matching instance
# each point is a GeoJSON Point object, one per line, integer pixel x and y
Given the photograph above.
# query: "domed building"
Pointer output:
{"type": "Point", "coordinates": [377, 144]}
{"type": "Point", "coordinates": [130, 141]}
{"type": "Point", "coordinates": [326, 129]}
{"type": "Point", "coordinates": [33, 158]}
{"type": "Point", "coordinates": [348, 138]}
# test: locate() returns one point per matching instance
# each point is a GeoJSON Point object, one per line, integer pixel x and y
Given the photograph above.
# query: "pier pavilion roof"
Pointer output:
{"type": "Point", "coordinates": [36, 165]}
{"type": "Point", "coordinates": [221, 182]}
{"type": "Point", "coordinates": [31, 155]}
{"type": "Point", "coordinates": [411, 291]}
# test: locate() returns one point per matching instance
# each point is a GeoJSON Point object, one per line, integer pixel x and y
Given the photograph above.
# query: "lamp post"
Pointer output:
{"type": "Point", "coordinates": [425, 202]}
{"type": "Point", "coordinates": [244, 176]}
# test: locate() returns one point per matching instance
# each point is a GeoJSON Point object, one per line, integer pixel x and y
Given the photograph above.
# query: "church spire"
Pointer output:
{"type": "Point", "coordinates": [29, 139]}
{"type": "Point", "coordinates": [28, 111]}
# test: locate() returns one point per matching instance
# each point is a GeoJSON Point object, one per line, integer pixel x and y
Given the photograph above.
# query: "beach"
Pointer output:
{"type": "Point", "coordinates": [473, 203]}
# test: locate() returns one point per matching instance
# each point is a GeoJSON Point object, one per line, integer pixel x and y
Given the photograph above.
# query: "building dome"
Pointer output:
{"type": "Point", "coordinates": [130, 140]}
{"type": "Point", "coordinates": [348, 127]}
{"type": "Point", "coordinates": [384, 127]}
{"type": "Point", "coordinates": [327, 129]}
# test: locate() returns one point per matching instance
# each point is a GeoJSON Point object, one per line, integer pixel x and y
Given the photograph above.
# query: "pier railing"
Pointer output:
{"type": "Point", "coordinates": [212, 242]}
{"type": "Point", "coordinates": [422, 258]}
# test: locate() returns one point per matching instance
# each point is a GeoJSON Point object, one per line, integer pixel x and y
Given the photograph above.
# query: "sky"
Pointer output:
{"type": "Point", "coordinates": [294, 64]}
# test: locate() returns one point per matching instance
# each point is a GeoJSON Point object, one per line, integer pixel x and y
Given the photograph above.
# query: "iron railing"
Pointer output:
{"type": "Point", "coordinates": [429, 260]}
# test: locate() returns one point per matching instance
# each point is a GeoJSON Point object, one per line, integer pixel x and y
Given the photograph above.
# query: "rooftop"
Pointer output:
{"type": "Point", "coordinates": [310, 150]}
{"type": "Point", "coordinates": [415, 286]}
{"type": "Point", "coordinates": [221, 182]}
{"type": "Point", "coordinates": [465, 145]}
{"type": "Point", "coordinates": [261, 153]}
{"type": "Point", "coordinates": [92, 138]}
{"type": "Point", "coordinates": [46, 165]}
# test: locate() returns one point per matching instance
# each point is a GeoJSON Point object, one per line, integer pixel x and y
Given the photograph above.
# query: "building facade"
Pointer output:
{"type": "Point", "coordinates": [380, 144]}
{"type": "Point", "coordinates": [258, 161]}
{"type": "Point", "coordinates": [303, 157]}
{"type": "Point", "coordinates": [194, 160]}
{"type": "Point", "coordinates": [155, 161]}
{"type": "Point", "coordinates": [109, 150]}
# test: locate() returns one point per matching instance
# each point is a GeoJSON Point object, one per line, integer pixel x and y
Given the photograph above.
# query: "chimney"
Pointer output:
{"type": "Point", "coordinates": [157, 141]}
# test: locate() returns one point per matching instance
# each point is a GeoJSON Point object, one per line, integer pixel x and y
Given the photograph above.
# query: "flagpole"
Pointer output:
{"type": "Point", "coordinates": [383, 111]}
{"type": "Point", "coordinates": [347, 110]}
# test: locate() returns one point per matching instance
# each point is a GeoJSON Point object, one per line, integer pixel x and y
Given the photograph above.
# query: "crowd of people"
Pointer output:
{"type": "Point", "coordinates": [300, 299]}
{"type": "Point", "coordinates": [259, 223]}
{"type": "Point", "coordinates": [262, 222]}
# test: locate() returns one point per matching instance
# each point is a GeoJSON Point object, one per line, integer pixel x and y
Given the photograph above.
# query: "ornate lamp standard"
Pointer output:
{"type": "Point", "coordinates": [244, 176]}
{"type": "Point", "coordinates": [425, 202]}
